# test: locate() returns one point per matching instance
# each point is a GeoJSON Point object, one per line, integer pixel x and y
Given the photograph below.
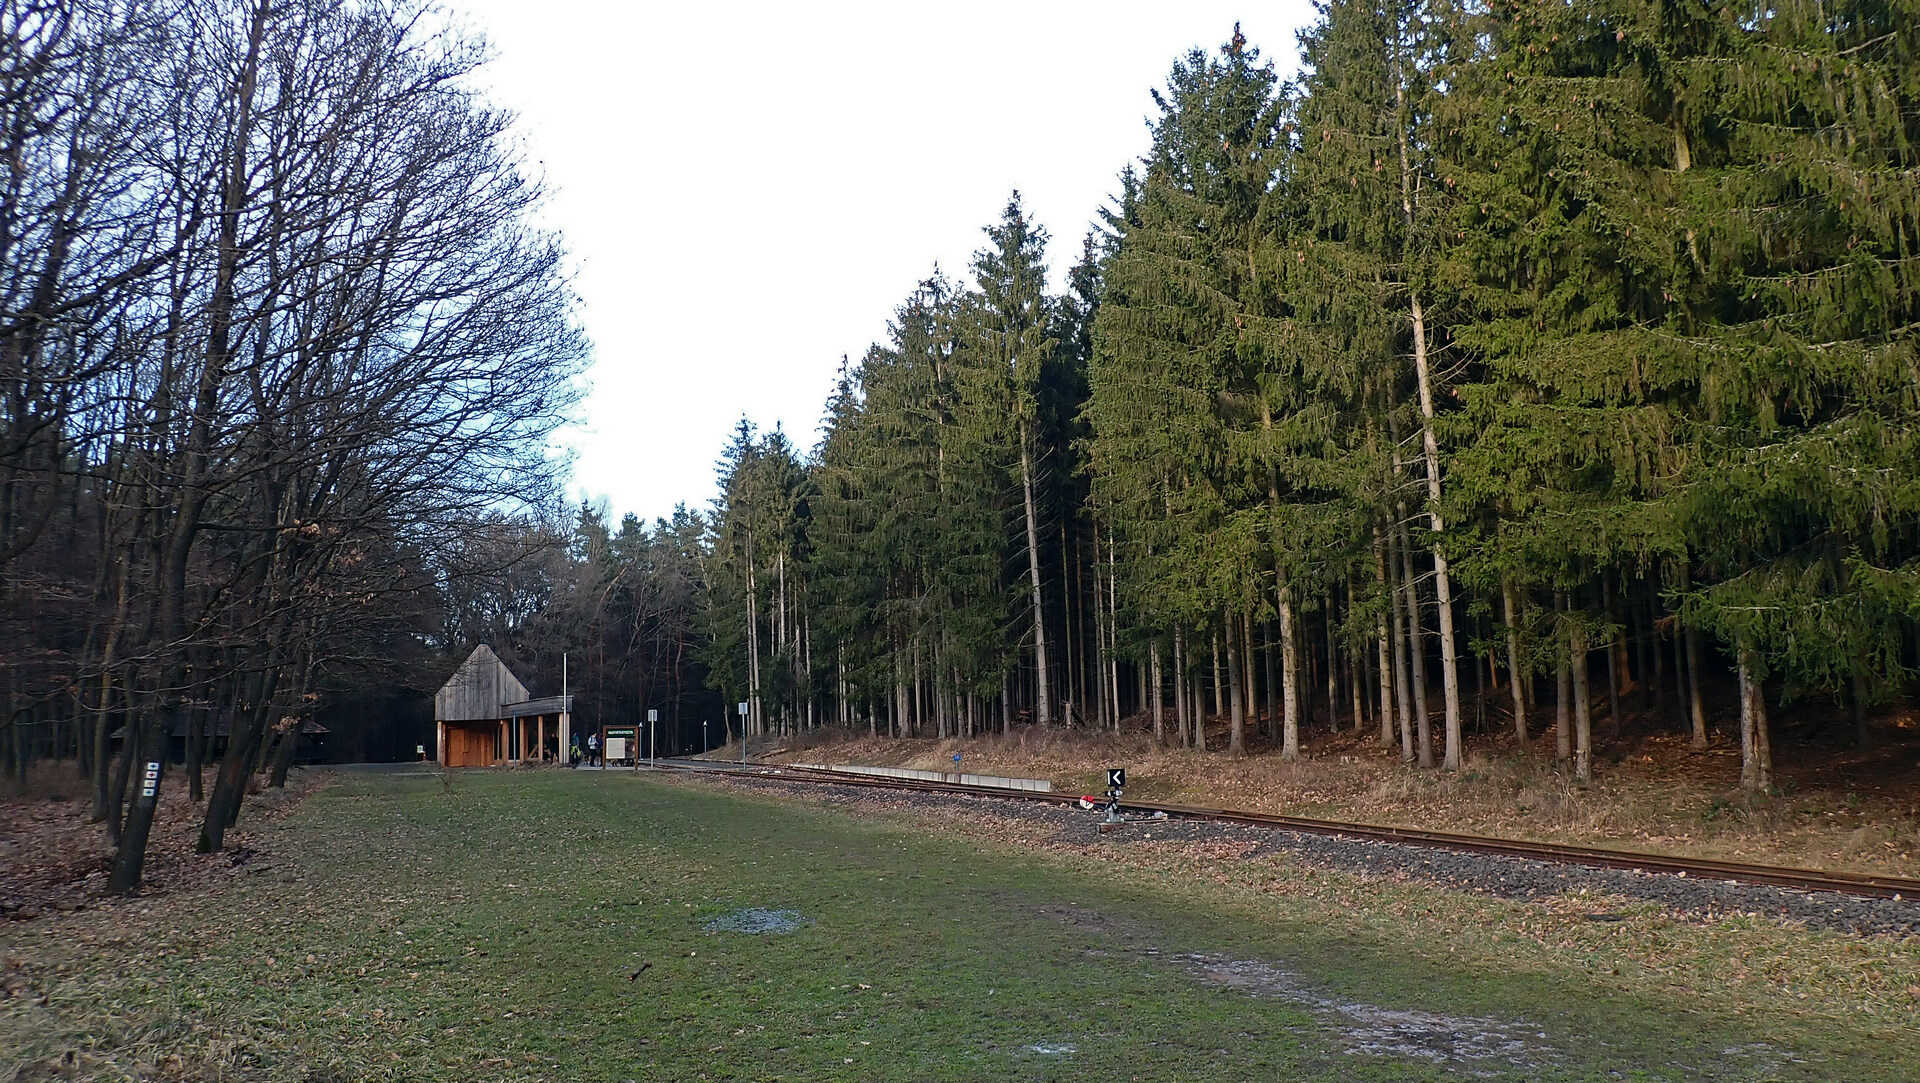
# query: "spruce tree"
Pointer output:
{"type": "Point", "coordinates": [1365, 143]}
{"type": "Point", "coordinates": [1171, 376]}
{"type": "Point", "coordinates": [1013, 325]}
{"type": "Point", "coordinates": [1796, 277]}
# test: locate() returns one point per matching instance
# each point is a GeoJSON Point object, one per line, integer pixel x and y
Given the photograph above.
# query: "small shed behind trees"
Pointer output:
{"type": "Point", "coordinates": [483, 716]}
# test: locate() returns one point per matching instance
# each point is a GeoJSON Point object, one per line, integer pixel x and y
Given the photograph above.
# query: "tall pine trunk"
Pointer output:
{"type": "Point", "coordinates": [1384, 641]}
{"type": "Point", "coordinates": [1237, 733]}
{"type": "Point", "coordinates": [1043, 703]}
{"type": "Point", "coordinates": [1333, 668]}
{"type": "Point", "coordinates": [1582, 709]}
{"type": "Point", "coordinates": [1180, 684]}
{"type": "Point", "coordinates": [1113, 617]}
{"type": "Point", "coordinates": [1423, 376]}
{"type": "Point", "coordinates": [1756, 747]}
{"type": "Point", "coordinates": [1159, 720]}
{"type": "Point", "coordinates": [1219, 689]}
{"type": "Point", "coordinates": [1514, 669]}
{"type": "Point", "coordinates": [1696, 704]}
{"type": "Point", "coordinates": [1289, 678]}
{"type": "Point", "coordinates": [1416, 649]}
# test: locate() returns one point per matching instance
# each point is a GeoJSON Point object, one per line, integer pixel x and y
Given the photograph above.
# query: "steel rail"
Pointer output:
{"type": "Point", "coordinates": [1862, 885]}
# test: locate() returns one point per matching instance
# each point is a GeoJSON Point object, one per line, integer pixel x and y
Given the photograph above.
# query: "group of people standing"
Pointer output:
{"type": "Point", "coordinates": [592, 756]}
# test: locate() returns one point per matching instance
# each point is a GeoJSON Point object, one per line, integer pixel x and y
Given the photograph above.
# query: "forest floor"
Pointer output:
{"type": "Point", "coordinates": [54, 860]}
{"type": "Point", "coordinates": [549, 924]}
{"type": "Point", "coordinates": [1833, 807]}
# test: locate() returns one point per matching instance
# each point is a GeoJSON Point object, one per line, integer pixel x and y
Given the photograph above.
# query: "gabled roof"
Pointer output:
{"type": "Point", "coordinates": [478, 689]}
{"type": "Point", "coordinates": [543, 705]}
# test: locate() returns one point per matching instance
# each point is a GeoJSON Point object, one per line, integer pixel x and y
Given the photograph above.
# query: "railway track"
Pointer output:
{"type": "Point", "coordinates": [1874, 886]}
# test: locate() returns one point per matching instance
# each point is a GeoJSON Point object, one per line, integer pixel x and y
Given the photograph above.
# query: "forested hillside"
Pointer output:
{"type": "Point", "coordinates": [1525, 368]}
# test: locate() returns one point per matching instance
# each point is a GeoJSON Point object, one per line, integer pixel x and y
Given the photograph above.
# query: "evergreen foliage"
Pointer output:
{"type": "Point", "coordinates": [1562, 336]}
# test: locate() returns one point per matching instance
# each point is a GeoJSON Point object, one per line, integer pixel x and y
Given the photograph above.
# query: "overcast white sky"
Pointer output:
{"type": "Point", "coordinates": [749, 189]}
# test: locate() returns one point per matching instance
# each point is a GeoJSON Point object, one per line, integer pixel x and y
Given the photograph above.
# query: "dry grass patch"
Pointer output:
{"type": "Point", "coordinates": [1653, 794]}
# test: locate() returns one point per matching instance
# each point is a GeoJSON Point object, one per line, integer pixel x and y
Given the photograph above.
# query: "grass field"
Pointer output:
{"type": "Point", "coordinates": [574, 926]}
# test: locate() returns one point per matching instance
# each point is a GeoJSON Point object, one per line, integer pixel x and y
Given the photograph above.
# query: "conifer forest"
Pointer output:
{"type": "Point", "coordinates": [1518, 366]}
{"type": "Point", "coordinates": [1516, 371]}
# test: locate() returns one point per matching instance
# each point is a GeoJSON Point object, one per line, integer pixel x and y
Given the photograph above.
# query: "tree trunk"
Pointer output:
{"type": "Point", "coordinates": [288, 745]}
{"type": "Point", "coordinates": [122, 774]}
{"type": "Point", "coordinates": [1357, 682]}
{"type": "Point", "coordinates": [1159, 720]}
{"type": "Point", "coordinates": [1271, 726]}
{"type": "Point", "coordinates": [1289, 677]}
{"type": "Point", "coordinates": [1073, 633]}
{"type": "Point", "coordinates": [899, 712]}
{"type": "Point", "coordinates": [1006, 704]}
{"type": "Point", "coordinates": [1042, 699]}
{"type": "Point", "coordinates": [917, 706]}
{"type": "Point", "coordinates": [1180, 683]}
{"type": "Point", "coordinates": [1333, 667]}
{"type": "Point", "coordinates": [1113, 619]}
{"type": "Point", "coordinates": [1514, 668]}
{"type": "Point", "coordinates": [152, 760]}
{"type": "Point", "coordinates": [1402, 668]}
{"type": "Point", "coordinates": [1237, 733]}
{"type": "Point", "coordinates": [1416, 652]}
{"type": "Point", "coordinates": [230, 782]}
{"type": "Point", "coordinates": [1756, 752]}
{"type": "Point", "coordinates": [753, 724]}
{"type": "Point", "coordinates": [1582, 711]}
{"type": "Point", "coordinates": [1384, 640]}
{"type": "Point", "coordinates": [102, 748]}
{"type": "Point", "coordinates": [1219, 689]}
{"type": "Point", "coordinates": [1423, 380]}
{"type": "Point", "coordinates": [1563, 688]}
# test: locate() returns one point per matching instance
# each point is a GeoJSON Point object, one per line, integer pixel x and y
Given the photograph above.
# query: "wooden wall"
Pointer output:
{"type": "Point", "coordinates": [471, 745]}
{"type": "Point", "coordinates": [478, 688]}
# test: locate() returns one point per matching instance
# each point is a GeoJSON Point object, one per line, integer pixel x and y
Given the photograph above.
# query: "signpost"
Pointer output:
{"type": "Point", "coordinates": [653, 735]}
{"type": "Point", "coordinates": [743, 733]}
{"type": "Point", "coordinates": [1112, 814]}
{"type": "Point", "coordinates": [619, 743]}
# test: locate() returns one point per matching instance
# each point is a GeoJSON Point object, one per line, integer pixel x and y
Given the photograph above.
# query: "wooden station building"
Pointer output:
{"type": "Point", "coordinates": [483, 716]}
